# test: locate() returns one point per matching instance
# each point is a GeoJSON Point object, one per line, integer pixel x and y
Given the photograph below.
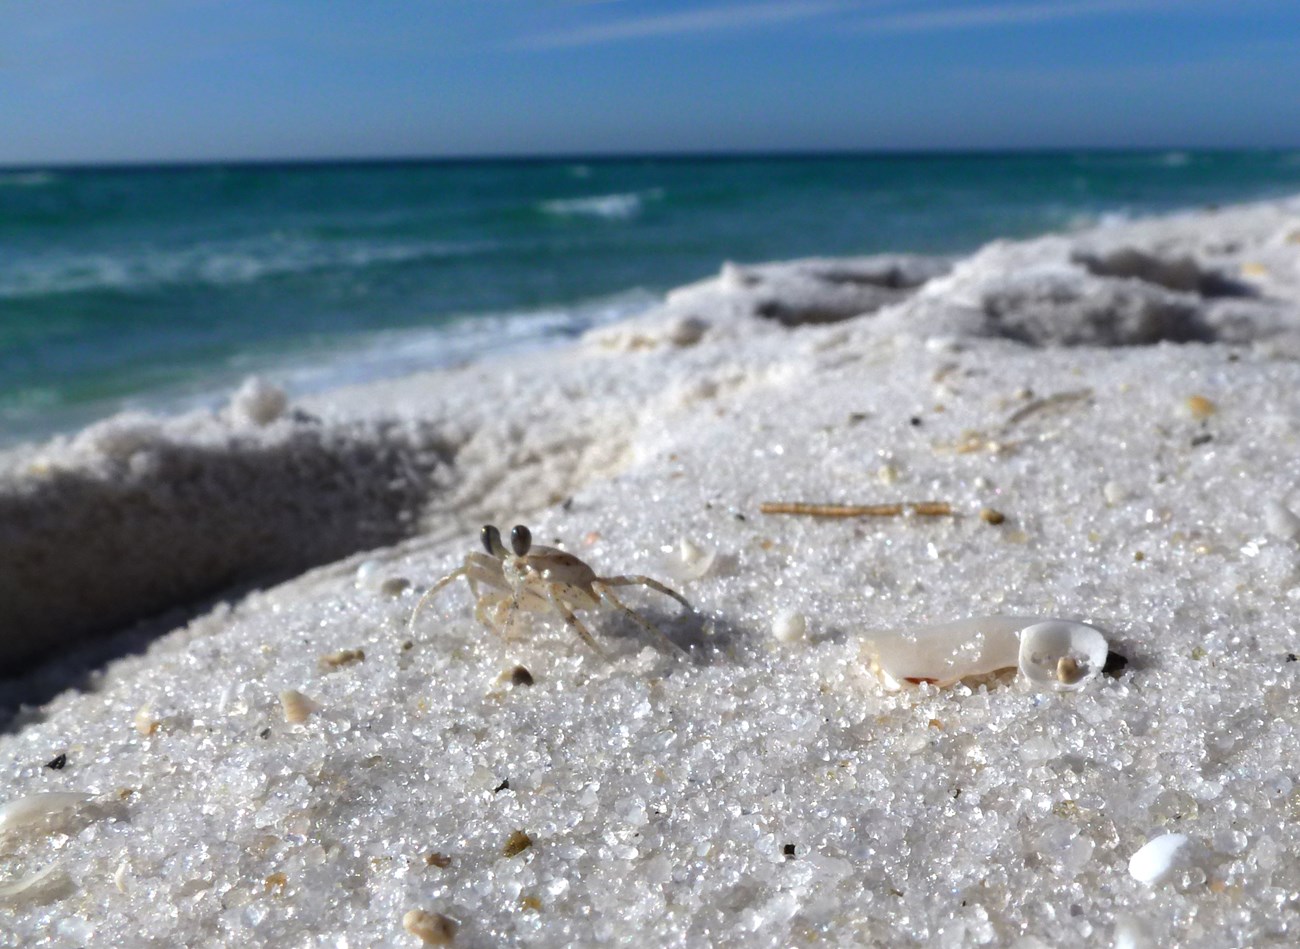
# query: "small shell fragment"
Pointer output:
{"type": "Point", "coordinates": [146, 723]}
{"type": "Point", "coordinates": [1061, 655]}
{"type": "Point", "coordinates": [35, 808]}
{"type": "Point", "coordinates": [297, 707]}
{"type": "Point", "coordinates": [1157, 858]}
{"type": "Point", "coordinates": [432, 929]}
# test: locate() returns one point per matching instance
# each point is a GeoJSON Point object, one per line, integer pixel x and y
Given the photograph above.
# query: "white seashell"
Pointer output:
{"type": "Point", "coordinates": [948, 652]}
{"type": "Point", "coordinates": [367, 575]}
{"type": "Point", "coordinates": [1158, 858]}
{"type": "Point", "coordinates": [34, 808]}
{"type": "Point", "coordinates": [790, 627]}
{"type": "Point", "coordinates": [1061, 655]}
{"type": "Point", "coordinates": [689, 562]}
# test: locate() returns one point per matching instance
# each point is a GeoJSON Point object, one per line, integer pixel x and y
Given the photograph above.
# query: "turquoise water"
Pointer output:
{"type": "Point", "coordinates": [162, 287]}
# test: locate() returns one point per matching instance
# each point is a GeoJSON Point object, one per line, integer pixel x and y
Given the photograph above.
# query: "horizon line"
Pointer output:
{"type": "Point", "coordinates": [602, 156]}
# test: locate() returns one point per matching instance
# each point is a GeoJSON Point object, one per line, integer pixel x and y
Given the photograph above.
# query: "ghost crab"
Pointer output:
{"type": "Point", "coordinates": [539, 579]}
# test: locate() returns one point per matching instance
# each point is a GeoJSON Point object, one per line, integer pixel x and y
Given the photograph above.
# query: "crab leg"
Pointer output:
{"type": "Point", "coordinates": [553, 592]}
{"type": "Point", "coordinates": [476, 568]}
{"type": "Point", "coordinates": [644, 582]}
{"type": "Point", "coordinates": [602, 589]}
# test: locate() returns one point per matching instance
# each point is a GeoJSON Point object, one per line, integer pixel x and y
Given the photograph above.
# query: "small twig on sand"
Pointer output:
{"type": "Point", "coordinates": [919, 508]}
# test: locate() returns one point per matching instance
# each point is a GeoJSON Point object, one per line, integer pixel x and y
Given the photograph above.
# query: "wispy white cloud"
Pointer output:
{"type": "Point", "coordinates": [1003, 14]}
{"type": "Point", "coordinates": [708, 20]}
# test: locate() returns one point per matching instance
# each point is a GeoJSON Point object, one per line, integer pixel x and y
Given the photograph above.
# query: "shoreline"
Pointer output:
{"type": "Point", "coordinates": [662, 794]}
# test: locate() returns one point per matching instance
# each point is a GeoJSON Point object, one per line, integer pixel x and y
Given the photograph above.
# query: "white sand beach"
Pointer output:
{"type": "Point", "coordinates": [1126, 398]}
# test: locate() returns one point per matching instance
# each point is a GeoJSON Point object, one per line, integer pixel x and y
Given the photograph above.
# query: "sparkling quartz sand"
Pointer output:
{"type": "Point", "coordinates": [1126, 400]}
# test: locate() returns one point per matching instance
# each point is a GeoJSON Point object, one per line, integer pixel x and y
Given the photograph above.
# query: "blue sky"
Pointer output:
{"type": "Point", "coordinates": [148, 80]}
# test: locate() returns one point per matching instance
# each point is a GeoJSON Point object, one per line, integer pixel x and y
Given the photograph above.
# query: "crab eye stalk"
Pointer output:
{"type": "Point", "coordinates": [491, 538]}
{"type": "Point", "coordinates": [521, 539]}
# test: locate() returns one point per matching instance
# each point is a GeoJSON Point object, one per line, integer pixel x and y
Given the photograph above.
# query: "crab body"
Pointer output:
{"type": "Point", "coordinates": [538, 579]}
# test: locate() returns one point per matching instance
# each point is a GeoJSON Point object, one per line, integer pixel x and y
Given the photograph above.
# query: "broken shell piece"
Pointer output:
{"type": "Point", "coordinates": [1061, 655]}
{"type": "Point", "coordinates": [297, 707]}
{"type": "Point", "coordinates": [146, 723]}
{"type": "Point", "coordinates": [948, 652]}
{"type": "Point", "coordinates": [35, 808]}
{"type": "Point", "coordinates": [19, 887]}
{"type": "Point", "coordinates": [432, 929]}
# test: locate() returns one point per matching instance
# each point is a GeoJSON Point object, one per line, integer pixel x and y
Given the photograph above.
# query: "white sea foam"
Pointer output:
{"type": "Point", "coordinates": [331, 363]}
{"type": "Point", "coordinates": [609, 206]}
{"type": "Point", "coordinates": [388, 354]}
{"type": "Point", "coordinates": [212, 264]}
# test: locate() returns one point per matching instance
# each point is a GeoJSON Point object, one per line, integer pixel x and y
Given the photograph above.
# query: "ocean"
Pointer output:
{"type": "Point", "coordinates": [161, 288]}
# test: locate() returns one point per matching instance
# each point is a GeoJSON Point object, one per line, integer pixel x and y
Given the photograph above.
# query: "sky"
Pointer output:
{"type": "Point", "coordinates": [87, 81]}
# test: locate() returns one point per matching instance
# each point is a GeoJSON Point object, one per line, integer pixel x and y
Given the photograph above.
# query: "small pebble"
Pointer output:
{"type": "Point", "coordinates": [1281, 521]}
{"type": "Point", "coordinates": [1200, 407]}
{"type": "Point", "coordinates": [58, 762]}
{"type": "Point", "coordinates": [432, 929]}
{"type": "Point", "coordinates": [687, 331]}
{"type": "Point", "coordinates": [520, 676]}
{"type": "Point", "coordinates": [257, 402]}
{"type": "Point", "coordinates": [516, 844]}
{"type": "Point", "coordinates": [1068, 670]}
{"type": "Point", "coordinates": [297, 707]}
{"type": "Point", "coordinates": [439, 860]}
{"type": "Point", "coordinates": [1113, 492]}
{"type": "Point", "coordinates": [394, 586]}
{"type": "Point", "coordinates": [990, 516]}
{"type": "Point", "coordinates": [344, 657]}
{"type": "Point", "coordinates": [1158, 858]}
